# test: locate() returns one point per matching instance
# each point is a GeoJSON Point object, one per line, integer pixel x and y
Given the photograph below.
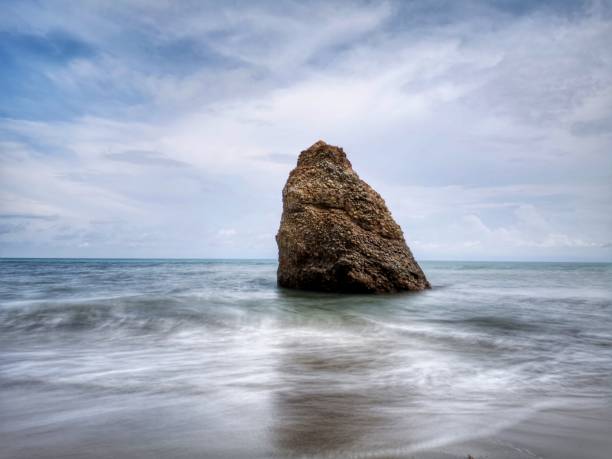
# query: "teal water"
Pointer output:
{"type": "Point", "coordinates": [208, 358]}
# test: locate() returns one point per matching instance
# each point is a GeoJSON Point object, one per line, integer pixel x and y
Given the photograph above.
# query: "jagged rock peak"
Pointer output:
{"type": "Point", "coordinates": [336, 233]}
{"type": "Point", "coordinates": [320, 152]}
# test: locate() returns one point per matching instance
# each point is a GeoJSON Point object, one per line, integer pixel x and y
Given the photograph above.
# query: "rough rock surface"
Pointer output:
{"type": "Point", "coordinates": [336, 233]}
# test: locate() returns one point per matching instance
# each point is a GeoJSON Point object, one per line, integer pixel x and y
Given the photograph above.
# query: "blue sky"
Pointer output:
{"type": "Point", "coordinates": [167, 129]}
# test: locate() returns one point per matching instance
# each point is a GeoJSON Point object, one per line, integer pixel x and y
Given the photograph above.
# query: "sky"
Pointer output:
{"type": "Point", "coordinates": [147, 128]}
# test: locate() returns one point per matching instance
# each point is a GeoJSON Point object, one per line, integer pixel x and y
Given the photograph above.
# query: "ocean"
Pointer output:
{"type": "Point", "coordinates": [208, 358]}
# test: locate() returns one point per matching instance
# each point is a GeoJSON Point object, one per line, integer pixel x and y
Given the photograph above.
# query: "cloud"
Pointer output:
{"type": "Point", "coordinates": [26, 217]}
{"type": "Point", "coordinates": [278, 158]}
{"type": "Point", "coordinates": [145, 158]}
{"type": "Point", "coordinates": [151, 128]}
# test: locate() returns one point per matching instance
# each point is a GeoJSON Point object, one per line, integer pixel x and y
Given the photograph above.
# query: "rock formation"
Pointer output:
{"type": "Point", "coordinates": [336, 233]}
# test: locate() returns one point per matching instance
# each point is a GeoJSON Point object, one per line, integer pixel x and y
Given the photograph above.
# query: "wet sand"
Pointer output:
{"type": "Point", "coordinates": [552, 433]}
{"type": "Point", "coordinates": [325, 430]}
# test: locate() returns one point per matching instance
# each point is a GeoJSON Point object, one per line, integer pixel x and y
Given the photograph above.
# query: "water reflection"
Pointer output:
{"type": "Point", "coordinates": [331, 398]}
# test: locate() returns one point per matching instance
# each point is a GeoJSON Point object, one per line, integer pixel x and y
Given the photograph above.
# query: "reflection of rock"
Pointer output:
{"type": "Point", "coordinates": [317, 422]}
{"type": "Point", "coordinates": [326, 405]}
{"type": "Point", "coordinates": [336, 233]}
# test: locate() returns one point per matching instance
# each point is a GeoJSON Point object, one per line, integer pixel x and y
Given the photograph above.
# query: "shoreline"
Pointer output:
{"type": "Point", "coordinates": [556, 433]}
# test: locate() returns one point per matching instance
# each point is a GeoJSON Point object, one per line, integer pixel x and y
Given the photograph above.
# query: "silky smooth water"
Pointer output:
{"type": "Point", "coordinates": [208, 358]}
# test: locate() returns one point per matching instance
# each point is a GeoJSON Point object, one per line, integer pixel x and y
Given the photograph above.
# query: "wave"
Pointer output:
{"type": "Point", "coordinates": [504, 324]}
{"type": "Point", "coordinates": [144, 313]}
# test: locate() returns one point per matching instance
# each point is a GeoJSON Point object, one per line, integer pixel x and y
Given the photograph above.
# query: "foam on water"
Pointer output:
{"type": "Point", "coordinates": [188, 356]}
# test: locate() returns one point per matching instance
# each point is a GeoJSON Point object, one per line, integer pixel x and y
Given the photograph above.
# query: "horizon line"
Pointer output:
{"type": "Point", "coordinates": [275, 259]}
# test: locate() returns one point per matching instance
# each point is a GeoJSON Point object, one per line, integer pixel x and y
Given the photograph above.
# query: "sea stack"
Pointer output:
{"type": "Point", "coordinates": [336, 233]}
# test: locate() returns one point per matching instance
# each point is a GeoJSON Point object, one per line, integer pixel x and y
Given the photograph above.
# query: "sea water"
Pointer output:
{"type": "Point", "coordinates": [209, 358]}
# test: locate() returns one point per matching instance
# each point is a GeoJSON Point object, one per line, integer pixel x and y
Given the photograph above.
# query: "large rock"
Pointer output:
{"type": "Point", "coordinates": [336, 233]}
